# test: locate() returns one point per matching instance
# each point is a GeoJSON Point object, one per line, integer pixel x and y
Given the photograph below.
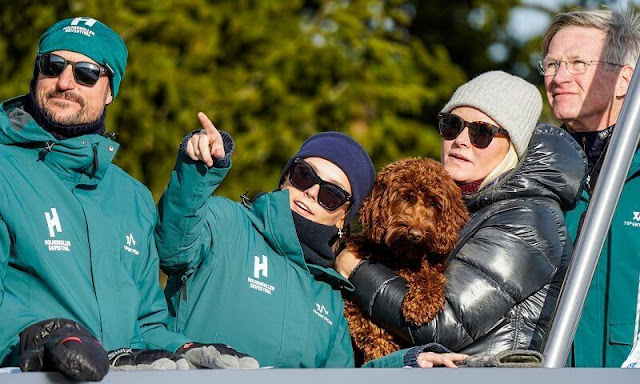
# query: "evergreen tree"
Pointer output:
{"type": "Point", "coordinates": [270, 72]}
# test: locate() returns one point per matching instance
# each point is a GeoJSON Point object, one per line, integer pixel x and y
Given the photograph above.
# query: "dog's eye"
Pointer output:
{"type": "Point", "coordinates": [429, 202]}
{"type": "Point", "coordinates": [409, 198]}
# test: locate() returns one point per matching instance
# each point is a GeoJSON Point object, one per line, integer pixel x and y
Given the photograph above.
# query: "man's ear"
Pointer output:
{"type": "Point", "coordinates": [109, 97]}
{"type": "Point", "coordinates": [624, 79]}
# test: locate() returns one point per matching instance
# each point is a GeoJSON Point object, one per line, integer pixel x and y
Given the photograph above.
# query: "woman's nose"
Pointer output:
{"type": "Point", "coordinates": [463, 138]}
{"type": "Point", "coordinates": [312, 191]}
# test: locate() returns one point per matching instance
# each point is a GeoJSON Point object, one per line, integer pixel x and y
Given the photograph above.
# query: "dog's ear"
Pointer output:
{"type": "Point", "coordinates": [372, 213]}
{"type": "Point", "coordinates": [453, 215]}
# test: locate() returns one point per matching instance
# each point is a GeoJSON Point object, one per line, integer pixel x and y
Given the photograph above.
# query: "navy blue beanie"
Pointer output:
{"type": "Point", "coordinates": [349, 156]}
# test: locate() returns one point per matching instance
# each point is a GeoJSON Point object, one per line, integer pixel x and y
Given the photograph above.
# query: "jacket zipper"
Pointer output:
{"type": "Point", "coordinates": [178, 327]}
{"type": "Point", "coordinates": [95, 162]}
{"type": "Point", "coordinates": [183, 282]}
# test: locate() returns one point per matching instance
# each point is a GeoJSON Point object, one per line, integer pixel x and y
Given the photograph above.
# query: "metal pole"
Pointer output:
{"type": "Point", "coordinates": [594, 229]}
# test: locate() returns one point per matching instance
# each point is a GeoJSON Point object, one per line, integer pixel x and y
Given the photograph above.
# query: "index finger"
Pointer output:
{"type": "Point", "coordinates": [208, 126]}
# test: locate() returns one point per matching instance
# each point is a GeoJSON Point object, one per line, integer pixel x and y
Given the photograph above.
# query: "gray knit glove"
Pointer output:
{"type": "Point", "coordinates": [518, 358]}
{"type": "Point", "coordinates": [216, 356]}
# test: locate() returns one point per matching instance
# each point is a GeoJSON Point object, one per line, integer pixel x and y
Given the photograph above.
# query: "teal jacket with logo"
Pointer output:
{"type": "Point", "coordinates": [237, 275]}
{"type": "Point", "coordinates": [76, 240]}
{"type": "Point", "coordinates": [605, 333]}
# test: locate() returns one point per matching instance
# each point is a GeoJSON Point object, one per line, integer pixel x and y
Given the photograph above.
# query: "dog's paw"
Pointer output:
{"type": "Point", "coordinates": [425, 297]}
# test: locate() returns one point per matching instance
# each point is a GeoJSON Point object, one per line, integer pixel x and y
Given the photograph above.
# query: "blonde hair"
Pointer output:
{"type": "Point", "coordinates": [509, 162]}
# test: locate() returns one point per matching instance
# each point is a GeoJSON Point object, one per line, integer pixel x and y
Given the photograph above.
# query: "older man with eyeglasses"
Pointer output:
{"type": "Point", "coordinates": [588, 60]}
{"type": "Point", "coordinates": [78, 260]}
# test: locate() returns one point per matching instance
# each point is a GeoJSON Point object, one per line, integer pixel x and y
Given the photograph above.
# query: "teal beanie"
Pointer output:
{"type": "Point", "coordinates": [91, 38]}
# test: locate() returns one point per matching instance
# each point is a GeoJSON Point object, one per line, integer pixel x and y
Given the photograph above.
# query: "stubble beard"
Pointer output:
{"type": "Point", "coordinates": [57, 113]}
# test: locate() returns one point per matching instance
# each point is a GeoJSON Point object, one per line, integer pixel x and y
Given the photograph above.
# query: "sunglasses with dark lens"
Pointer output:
{"type": "Point", "coordinates": [330, 196]}
{"type": "Point", "coordinates": [85, 73]}
{"type": "Point", "coordinates": [480, 133]}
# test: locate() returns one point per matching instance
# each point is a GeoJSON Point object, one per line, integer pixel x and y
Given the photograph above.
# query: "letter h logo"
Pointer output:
{"type": "Point", "coordinates": [87, 21]}
{"type": "Point", "coordinates": [260, 267]}
{"type": "Point", "coordinates": [53, 222]}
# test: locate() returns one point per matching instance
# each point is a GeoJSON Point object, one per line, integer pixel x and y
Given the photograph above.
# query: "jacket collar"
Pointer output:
{"type": "Point", "coordinates": [270, 214]}
{"type": "Point", "coordinates": [553, 166]}
{"type": "Point", "coordinates": [81, 160]}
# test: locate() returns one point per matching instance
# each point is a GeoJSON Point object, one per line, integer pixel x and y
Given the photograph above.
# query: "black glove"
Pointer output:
{"type": "Point", "coordinates": [216, 356]}
{"type": "Point", "coordinates": [65, 346]}
{"type": "Point", "coordinates": [127, 359]}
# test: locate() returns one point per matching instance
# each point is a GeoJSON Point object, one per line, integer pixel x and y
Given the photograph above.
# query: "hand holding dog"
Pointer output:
{"type": "Point", "coordinates": [432, 359]}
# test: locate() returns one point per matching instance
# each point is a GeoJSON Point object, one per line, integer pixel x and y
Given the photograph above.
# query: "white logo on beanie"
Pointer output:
{"type": "Point", "coordinates": [87, 21]}
{"type": "Point", "coordinates": [74, 28]}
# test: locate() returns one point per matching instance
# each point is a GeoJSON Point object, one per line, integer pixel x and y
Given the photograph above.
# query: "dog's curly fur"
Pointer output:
{"type": "Point", "coordinates": [411, 222]}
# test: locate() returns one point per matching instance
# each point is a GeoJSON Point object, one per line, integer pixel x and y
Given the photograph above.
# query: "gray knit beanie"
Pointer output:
{"type": "Point", "coordinates": [512, 102]}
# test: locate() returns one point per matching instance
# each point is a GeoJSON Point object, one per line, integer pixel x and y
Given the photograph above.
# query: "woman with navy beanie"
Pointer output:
{"type": "Point", "coordinates": [259, 275]}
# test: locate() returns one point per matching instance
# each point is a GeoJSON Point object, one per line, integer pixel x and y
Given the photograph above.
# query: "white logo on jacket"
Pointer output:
{"type": "Point", "coordinates": [55, 226]}
{"type": "Point", "coordinates": [260, 268]}
{"type": "Point", "coordinates": [130, 243]}
{"type": "Point", "coordinates": [636, 221]}
{"type": "Point", "coordinates": [53, 222]}
{"type": "Point", "coordinates": [321, 311]}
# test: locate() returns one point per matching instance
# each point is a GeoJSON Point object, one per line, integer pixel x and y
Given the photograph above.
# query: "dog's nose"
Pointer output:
{"type": "Point", "coordinates": [415, 234]}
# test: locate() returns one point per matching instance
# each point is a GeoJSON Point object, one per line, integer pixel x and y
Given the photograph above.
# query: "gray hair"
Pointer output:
{"type": "Point", "coordinates": [622, 41]}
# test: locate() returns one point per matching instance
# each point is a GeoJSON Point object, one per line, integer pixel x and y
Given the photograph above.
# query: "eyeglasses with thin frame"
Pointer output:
{"type": "Point", "coordinates": [303, 176]}
{"type": "Point", "coordinates": [575, 67]}
{"type": "Point", "coordinates": [481, 133]}
{"type": "Point", "coordinates": [84, 72]}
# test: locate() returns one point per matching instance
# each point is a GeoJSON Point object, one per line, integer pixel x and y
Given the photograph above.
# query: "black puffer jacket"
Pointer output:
{"type": "Point", "coordinates": [504, 277]}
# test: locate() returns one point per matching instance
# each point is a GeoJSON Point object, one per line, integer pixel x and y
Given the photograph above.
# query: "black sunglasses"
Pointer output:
{"type": "Point", "coordinates": [85, 73]}
{"type": "Point", "coordinates": [303, 177]}
{"type": "Point", "coordinates": [480, 132]}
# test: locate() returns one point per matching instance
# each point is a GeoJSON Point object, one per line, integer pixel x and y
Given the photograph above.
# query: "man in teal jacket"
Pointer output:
{"type": "Point", "coordinates": [259, 275]}
{"type": "Point", "coordinates": [78, 262]}
{"type": "Point", "coordinates": [588, 60]}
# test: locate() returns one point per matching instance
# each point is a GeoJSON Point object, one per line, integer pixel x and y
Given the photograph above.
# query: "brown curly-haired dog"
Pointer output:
{"type": "Point", "coordinates": [411, 223]}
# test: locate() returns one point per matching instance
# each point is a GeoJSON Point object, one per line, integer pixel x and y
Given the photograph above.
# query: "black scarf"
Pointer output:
{"type": "Point", "coordinates": [61, 131]}
{"type": "Point", "coordinates": [315, 239]}
{"type": "Point", "coordinates": [595, 146]}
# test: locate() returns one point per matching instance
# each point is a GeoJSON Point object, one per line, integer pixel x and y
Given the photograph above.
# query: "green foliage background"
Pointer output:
{"type": "Point", "coordinates": [271, 73]}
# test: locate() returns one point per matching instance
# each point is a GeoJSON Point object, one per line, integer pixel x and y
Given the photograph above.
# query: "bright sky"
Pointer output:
{"type": "Point", "coordinates": [526, 23]}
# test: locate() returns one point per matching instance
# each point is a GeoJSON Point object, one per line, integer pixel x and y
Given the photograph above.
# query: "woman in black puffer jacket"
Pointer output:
{"type": "Point", "coordinates": [505, 275]}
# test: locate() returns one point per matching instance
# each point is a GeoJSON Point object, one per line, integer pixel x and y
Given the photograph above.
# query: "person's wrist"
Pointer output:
{"type": "Point", "coordinates": [347, 266]}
